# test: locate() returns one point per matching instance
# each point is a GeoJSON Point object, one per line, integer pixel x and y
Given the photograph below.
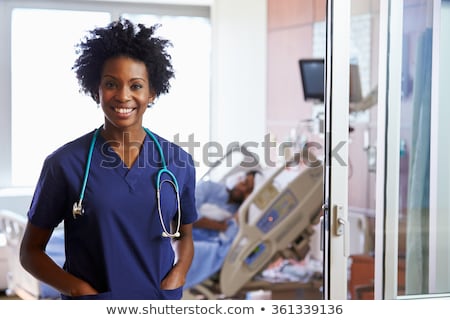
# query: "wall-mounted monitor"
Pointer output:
{"type": "Point", "coordinates": [312, 73]}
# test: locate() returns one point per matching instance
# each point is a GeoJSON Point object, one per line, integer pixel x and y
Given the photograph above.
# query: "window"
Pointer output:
{"type": "Point", "coordinates": [47, 108]}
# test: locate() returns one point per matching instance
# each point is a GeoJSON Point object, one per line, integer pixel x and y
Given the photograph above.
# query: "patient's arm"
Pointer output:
{"type": "Point", "coordinates": [211, 224]}
{"type": "Point", "coordinates": [34, 259]}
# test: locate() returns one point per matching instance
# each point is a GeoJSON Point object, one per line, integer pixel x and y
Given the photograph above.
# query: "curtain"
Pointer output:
{"type": "Point", "coordinates": [417, 237]}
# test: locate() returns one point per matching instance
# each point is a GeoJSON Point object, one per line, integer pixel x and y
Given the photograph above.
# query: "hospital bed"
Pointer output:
{"type": "Point", "coordinates": [17, 200]}
{"type": "Point", "coordinates": [19, 281]}
{"type": "Point", "coordinates": [276, 220]}
{"type": "Point", "coordinates": [3, 263]}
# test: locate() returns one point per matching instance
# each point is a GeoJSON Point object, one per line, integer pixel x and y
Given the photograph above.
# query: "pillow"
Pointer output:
{"type": "Point", "coordinates": [260, 177]}
{"type": "Point", "coordinates": [214, 212]}
{"type": "Point", "coordinates": [233, 179]}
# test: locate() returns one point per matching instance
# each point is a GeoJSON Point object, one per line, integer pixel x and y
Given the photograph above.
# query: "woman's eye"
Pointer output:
{"type": "Point", "coordinates": [136, 86]}
{"type": "Point", "coordinates": [109, 84]}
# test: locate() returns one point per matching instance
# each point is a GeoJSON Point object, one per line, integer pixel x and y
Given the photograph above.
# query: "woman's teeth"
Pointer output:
{"type": "Point", "coordinates": [123, 110]}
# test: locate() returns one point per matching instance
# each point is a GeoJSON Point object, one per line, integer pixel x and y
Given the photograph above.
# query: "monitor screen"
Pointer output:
{"type": "Point", "coordinates": [312, 73]}
{"type": "Point", "coordinates": [313, 80]}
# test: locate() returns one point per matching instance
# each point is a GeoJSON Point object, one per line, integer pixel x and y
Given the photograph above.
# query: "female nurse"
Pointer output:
{"type": "Point", "coordinates": [125, 194]}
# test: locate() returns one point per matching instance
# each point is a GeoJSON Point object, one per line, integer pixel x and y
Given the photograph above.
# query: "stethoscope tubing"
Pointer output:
{"type": "Point", "coordinates": [88, 164]}
{"type": "Point", "coordinates": [78, 208]}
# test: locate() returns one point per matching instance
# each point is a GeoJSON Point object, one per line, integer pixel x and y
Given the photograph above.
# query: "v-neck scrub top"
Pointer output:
{"type": "Point", "coordinates": [116, 245]}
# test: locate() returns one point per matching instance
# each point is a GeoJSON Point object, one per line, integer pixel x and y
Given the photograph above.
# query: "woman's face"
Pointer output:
{"type": "Point", "coordinates": [124, 91]}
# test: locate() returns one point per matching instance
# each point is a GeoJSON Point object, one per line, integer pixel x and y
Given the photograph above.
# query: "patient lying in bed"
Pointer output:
{"type": "Point", "coordinates": [216, 228]}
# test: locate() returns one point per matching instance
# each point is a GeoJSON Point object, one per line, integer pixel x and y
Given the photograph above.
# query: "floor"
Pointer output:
{"type": "Point", "coordinates": [4, 296]}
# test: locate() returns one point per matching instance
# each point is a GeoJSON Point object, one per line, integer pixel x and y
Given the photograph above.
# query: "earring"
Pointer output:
{"type": "Point", "coordinates": [152, 102]}
{"type": "Point", "coordinates": [96, 99]}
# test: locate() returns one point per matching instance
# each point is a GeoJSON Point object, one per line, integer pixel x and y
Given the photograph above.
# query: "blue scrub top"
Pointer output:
{"type": "Point", "coordinates": [116, 245]}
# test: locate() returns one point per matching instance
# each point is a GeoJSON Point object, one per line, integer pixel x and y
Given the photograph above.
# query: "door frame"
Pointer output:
{"type": "Point", "coordinates": [335, 224]}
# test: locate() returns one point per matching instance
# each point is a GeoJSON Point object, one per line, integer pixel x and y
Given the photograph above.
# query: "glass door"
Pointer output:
{"type": "Point", "coordinates": [413, 208]}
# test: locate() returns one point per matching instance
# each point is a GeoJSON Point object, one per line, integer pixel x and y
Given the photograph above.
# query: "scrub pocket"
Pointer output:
{"type": "Point", "coordinates": [174, 294]}
{"type": "Point", "coordinates": [100, 296]}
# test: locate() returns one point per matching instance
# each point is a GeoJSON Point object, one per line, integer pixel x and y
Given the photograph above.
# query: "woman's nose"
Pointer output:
{"type": "Point", "coordinates": [123, 94]}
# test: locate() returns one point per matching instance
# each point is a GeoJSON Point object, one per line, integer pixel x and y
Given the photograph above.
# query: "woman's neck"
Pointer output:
{"type": "Point", "coordinates": [126, 143]}
{"type": "Point", "coordinates": [123, 136]}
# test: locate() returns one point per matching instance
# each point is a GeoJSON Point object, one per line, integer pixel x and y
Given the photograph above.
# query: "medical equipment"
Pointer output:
{"type": "Point", "coordinates": [283, 225]}
{"type": "Point", "coordinates": [17, 200]}
{"type": "Point", "coordinates": [78, 206]}
{"type": "Point", "coordinates": [19, 281]}
{"type": "Point", "coordinates": [78, 209]}
{"type": "Point", "coordinates": [3, 263]}
{"type": "Point", "coordinates": [276, 220]}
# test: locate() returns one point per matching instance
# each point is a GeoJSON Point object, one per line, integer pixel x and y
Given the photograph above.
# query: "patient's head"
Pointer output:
{"type": "Point", "coordinates": [243, 187]}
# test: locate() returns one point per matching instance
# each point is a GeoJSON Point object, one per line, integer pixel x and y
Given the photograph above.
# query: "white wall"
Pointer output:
{"type": "Point", "coordinates": [5, 98]}
{"type": "Point", "coordinates": [239, 30]}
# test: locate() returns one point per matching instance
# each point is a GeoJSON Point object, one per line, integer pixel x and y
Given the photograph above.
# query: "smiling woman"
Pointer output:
{"type": "Point", "coordinates": [123, 66]}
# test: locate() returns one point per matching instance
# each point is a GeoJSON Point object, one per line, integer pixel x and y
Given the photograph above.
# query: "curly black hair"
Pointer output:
{"type": "Point", "coordinates": [123, 38]}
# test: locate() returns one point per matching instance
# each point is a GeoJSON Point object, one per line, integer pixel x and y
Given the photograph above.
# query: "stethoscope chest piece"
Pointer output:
{"type": "Point", "coordinates": [77, 209]}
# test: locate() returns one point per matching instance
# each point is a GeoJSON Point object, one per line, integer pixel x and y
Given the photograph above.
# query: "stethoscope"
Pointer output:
{"type": "Point", "coordinates": [78, 209]}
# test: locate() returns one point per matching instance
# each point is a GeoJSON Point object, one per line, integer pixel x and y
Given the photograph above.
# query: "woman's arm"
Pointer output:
{"type": "Point", "coordinates": [184, 251]}
{"type": "Point", "coordinates": [36, 261]}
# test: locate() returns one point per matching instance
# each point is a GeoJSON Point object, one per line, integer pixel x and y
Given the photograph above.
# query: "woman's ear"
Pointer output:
{"type": "Point", "coordinates": [151, 99]}
{"type": "Point", "coordinates": [95, 97]}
